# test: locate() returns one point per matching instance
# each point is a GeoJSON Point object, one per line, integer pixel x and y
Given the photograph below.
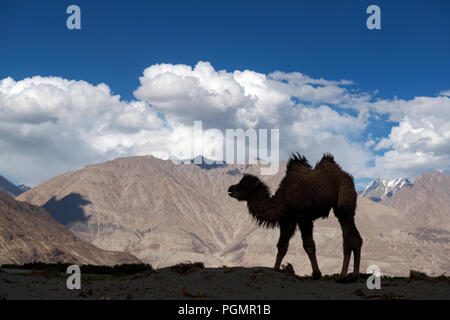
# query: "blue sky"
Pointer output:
{"type": "Point", "coordinates": [409, 57]}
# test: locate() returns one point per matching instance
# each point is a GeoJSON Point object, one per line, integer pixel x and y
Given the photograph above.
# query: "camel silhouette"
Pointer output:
{"type": "Point", "coordinates": [304, 195]}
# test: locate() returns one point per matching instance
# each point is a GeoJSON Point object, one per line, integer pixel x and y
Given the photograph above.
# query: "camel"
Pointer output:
{"type": "Point", "coordinates": [304, 195]}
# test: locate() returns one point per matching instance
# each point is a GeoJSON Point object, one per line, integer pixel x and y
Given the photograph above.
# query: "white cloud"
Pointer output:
{"type": "Point", "coordinates": [49, 125]}
{"type": "Point", "coordinates": [291, 102]}
{"type": "Point", "coordinates": [394, 164]}
{"type": "Point", "coordinates": [445, 93]}
{"type": "Point", "coordinates": [369, 143]}
{"type": "Point", "coordinates": [419, 142]}
{"type": "Point", "coordinates": [234, 98]}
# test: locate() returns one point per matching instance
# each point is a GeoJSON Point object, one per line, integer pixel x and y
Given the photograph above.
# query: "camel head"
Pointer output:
{"type": "Point", "coordinates": [248, 187]}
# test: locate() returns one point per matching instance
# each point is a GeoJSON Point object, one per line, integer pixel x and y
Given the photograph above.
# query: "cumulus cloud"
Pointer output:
{"type": "Point", "coordinates": [297, 105]}
{"type": "Point", "coordinates": [445, 93]}
{"type": "Point", "coordinates": [244, 97]}
{"type": "Point", "coordinates": [418, 142]}
{"type": "Point", "coordinates": [49, 125]}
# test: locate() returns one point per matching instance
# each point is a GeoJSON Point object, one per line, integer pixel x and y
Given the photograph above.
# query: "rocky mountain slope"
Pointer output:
{"type": "Point", "coordinates": [28, 233]}
{"type": "Point", "coordinates": [381, 189]}
{"type": "Point", "coordinates": [9, 188]}
{"type": "Point", "coordinates": [165, 213]}
{"type": "Point", "coordinates": [426, 203]}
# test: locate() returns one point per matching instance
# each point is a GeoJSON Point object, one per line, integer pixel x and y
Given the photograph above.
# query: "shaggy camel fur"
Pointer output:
{"type": "Point", "coordinates": [304, 195]}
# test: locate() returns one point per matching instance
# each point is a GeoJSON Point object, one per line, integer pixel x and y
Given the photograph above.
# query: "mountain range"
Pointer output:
{"type": "Point", "coordinates": [381, 189]}
{"type": "Point", "coordinates": [427, 202]}
{"type": "Point", "coordinates": [165, 213]}
{"type": "Point", "coordinates": [28, 234]}
{"type": "Point", "coordinates": [10, 188]}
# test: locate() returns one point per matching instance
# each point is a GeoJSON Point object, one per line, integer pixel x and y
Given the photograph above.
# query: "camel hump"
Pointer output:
{"type": "Point", "coordinates": [327, 157]}
{"type": "Point", "coordinates": [296, 160]}
{"type": "Point", "coordinates": [327, 161]}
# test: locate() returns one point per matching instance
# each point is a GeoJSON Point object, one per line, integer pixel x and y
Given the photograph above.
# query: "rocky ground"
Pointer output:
{"type": "Point", "coordinates": [192, 281]}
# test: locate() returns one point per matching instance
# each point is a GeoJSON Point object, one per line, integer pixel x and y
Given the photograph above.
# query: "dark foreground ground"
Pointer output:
{"type": "Point", "coordinates": [192, 281]}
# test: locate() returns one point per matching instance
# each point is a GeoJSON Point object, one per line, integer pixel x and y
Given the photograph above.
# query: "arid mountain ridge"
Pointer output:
{"type": "Point", "coordinates": [28, 233]}
{"type": "Point", "coordinates": [165, 213]}
{"type": "Point", "coordinates": [426, 202]}
{"type": "Point", "coordinates": [10, 188]}
{"type": "Point", "coordinates": [381, 189]}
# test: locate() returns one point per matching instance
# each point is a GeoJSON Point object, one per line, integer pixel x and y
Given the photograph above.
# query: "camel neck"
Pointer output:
{"type": "Point", "coordinates": [265, 208]}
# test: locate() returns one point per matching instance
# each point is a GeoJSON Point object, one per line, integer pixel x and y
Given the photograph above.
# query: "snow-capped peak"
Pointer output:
{"type": "Point", "coordinates": [380, 189]}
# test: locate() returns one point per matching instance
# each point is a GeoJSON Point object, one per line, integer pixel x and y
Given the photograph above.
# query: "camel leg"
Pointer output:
{"type": "Point", "coordinates": [306, 227]}
{"type": "Point", "coordinates": [357, 257]}
{"type": "Point", "coordinates": [352, 243]}
{"type": "Point", "coordinates": [347, 254]}
{"type": "Point", "coordinates": [356, 247]}
{"type": "Point", "coordinates": [287, 230]}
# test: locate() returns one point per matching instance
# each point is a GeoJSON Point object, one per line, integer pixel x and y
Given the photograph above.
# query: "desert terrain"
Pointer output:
{"type": "Point", "coordinates": [193, 281]}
